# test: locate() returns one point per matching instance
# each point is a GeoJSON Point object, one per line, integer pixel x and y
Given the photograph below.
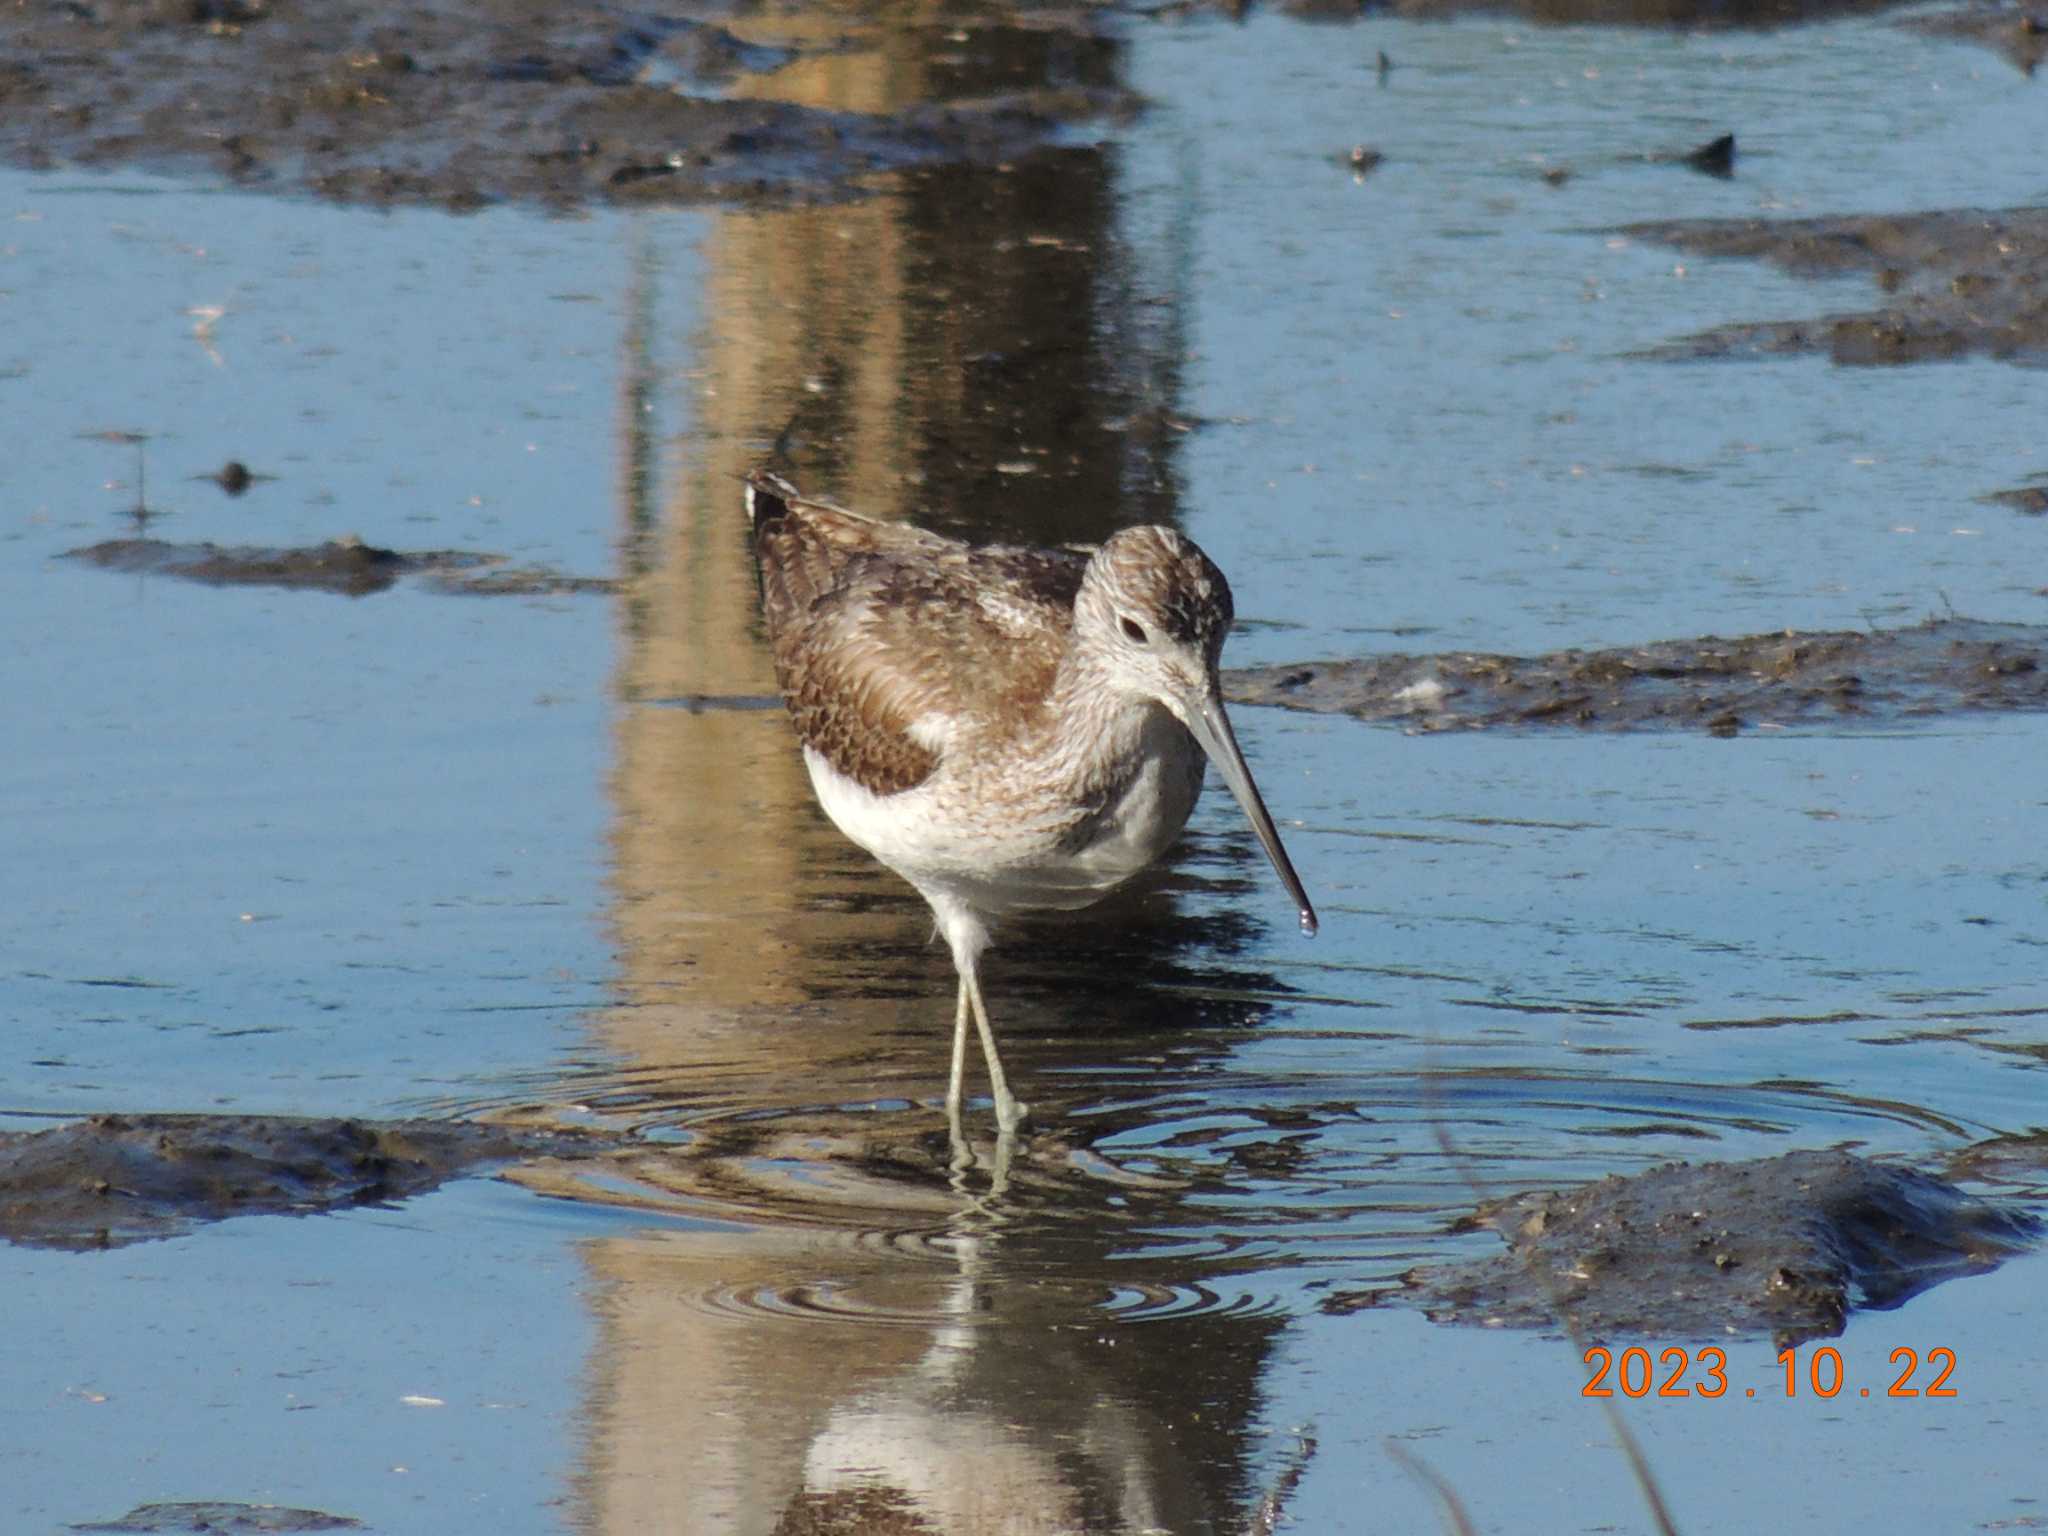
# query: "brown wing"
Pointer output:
{"type": "Point", "coordinates": [879, 626]}
{"type": "Point", "coordinates": [806, 547]}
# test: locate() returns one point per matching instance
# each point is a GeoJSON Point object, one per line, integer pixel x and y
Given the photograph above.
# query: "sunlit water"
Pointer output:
{"type": "Point", "coordinates": [1444, 444]}
{"type": "Point", "coordinates": [287, 852]}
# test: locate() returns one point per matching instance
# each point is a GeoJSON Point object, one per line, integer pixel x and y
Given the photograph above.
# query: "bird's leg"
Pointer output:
{"type": "Point", "coordinates": [958, 1081]}
{"type": "Point", "coordinates": [963, 1150]}
{"type": "Point", "coordinates": [1011, 1112]}
{"type": "Point", "coordinates": [966, 934]}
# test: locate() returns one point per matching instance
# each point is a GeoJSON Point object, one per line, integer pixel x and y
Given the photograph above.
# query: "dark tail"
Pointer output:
{"type": "Point", "coordinates": [785, 550]}
{"type": "Point", "coordinates": [768, 499]}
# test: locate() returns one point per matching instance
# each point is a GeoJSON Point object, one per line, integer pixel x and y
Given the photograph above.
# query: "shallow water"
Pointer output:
{"type": "Point", "coordinates": [291, 852]}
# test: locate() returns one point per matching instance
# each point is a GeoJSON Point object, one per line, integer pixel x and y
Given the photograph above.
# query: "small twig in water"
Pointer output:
{"type": "Point", "coordinates": [1424, 1473]}
{"type": "Point", "coordinates": [1638, 1463]}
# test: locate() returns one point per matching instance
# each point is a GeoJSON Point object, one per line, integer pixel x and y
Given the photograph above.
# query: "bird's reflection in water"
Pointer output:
{"type": "Point", "coordinates": [999, 1425]}
{"type": "Point", "coordinates": [981, 1372]}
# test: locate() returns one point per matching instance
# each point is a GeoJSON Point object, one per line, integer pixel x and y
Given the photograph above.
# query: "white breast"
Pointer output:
{"type": "Point", "coordinates": [950, 837]}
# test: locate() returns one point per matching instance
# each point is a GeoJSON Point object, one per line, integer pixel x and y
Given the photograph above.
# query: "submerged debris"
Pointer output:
{"type": "Point", "coordinates": [1716, 157]}
{"type": "Point", "coordinates": [1723, 686]}
{"type": "Point", "coordinates": [2018, 1159]}
{"type": "Point", "coordinates": [1786, 1246]}
{"type": "Point", "coordinates": [346, 565]}
{"type": "Point", "coordinates": [222, 1517]}
{"type": "Point", "coordinates": [1361, 160]}
{"type": "Point", "coordinates": [235, 477]}
{"type": "Point", "coordinates": [2028, 500]}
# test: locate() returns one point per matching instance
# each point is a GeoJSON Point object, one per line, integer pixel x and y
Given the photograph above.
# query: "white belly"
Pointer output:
{"type": "Point", "coordinates": [953, 837]}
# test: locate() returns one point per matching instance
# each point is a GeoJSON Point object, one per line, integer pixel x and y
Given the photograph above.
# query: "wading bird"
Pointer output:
{"type": "Point", "coordinates": [1009, 729]}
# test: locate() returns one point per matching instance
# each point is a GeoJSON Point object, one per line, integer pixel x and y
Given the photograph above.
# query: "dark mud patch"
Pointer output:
{"type": "Point", "coordinates": [1963, 282]}
{"type": "Point", "coordinates": [463, 105]}
{"type": "Point", "coordinates": [1831, 677]}
{"type": "Point", "coordinates": [214, 1515]}
{"type": "Point", "coordinates": [346, 565]}
{"type": "Point", "coordinates": [114, 1179]}
{"type": "Point", "coordinates": [2027, 500]}
{"type": "Point", "coordinates": [1786, 1246]}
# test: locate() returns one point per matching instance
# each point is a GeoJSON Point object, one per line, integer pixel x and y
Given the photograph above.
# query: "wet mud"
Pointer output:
{"type": "Point", "coordinates": [2017, 1161]}
{"type": "Point", "coordinates": [1831, 677]}
{"type": "Point", "coordinates": [115, 1179]}
{"type": "Point", "coordinates": [1960, 282]}
{"type": "Point", "coordinates": [2027, 500]}
{"type": "Point", "coordinates": [1786, 1246]}
{"type": "Point", "coordinates": [224, 1518]}
{"type": "Point", "coordinates": [346, 565]}
{"type": "Point", "coordinates": [463, 106]}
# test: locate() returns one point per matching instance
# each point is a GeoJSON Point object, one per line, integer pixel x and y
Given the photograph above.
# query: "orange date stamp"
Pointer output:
{"type": "Point", "coordinates": [1703, 1372]}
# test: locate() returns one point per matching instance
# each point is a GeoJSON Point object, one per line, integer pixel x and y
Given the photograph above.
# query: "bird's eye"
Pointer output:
{"type": "Point", "coordinates": [1133, 630]}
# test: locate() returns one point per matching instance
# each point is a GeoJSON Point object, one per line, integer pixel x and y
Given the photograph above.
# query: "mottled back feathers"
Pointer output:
{"type": "Point", "coordinates": [887, 638]}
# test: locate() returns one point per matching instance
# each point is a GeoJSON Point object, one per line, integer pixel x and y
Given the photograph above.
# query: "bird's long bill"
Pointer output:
{"type": "Point", "coordinates": [1210, 727]}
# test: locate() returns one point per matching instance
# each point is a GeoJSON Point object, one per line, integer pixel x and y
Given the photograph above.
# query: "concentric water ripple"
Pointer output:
{"type": "Point", "coordinates": [937, 1299]}
{"type": "Point", "coordinates": [1205, 1195]}
{"type": "Point", "coordinates": [1152, 1303]}
{"type": "Point", "coordinates": [820, 1301]}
